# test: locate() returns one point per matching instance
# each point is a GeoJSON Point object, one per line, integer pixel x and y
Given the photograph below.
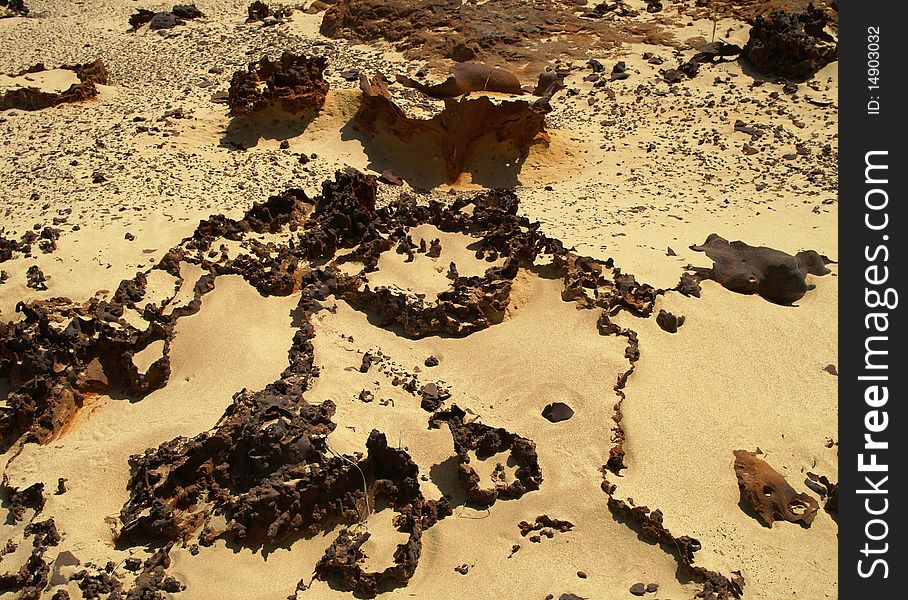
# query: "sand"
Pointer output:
{"type": "Point", "coordinates": [642, 168]}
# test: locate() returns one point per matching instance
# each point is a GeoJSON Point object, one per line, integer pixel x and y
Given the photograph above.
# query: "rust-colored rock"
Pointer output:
{"type": "Point", "coordinates": [265, 469]}
{"type": "Point", "coordinates": [294, 84]}
{"type": "Point", "coordinates": [393, 476]}
{"type": "Point", "coordinates": [768, 494]}
{"type": "Point", "coordinates": [90, 76]}
{"type": "Point", "coordinates": [516, 32]}
{"type": "Point", "coordinates": [775, 275]}
{"type": "Point", "coordinates": [544, 522]}
{"type": "Point", "coordinates": [468, 77]}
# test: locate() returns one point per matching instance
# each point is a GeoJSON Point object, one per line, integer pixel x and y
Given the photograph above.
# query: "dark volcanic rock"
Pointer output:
{"type": "Point", "coordinates": [773, 274]}
{"type": "Point", "coordinates": [557, 412]}
{"type": "Point", "coordinates": [487, 441]}
{"type": "Point", "coordinates": [394, 479]}
{"type": "Point", "coordinates": [265, 470]}
{"type": "Point", "coordinates": [178, 15]}
{"type": "Point", "coordinates": [257, 11]}
{"type": "Point", "coordinates": [791, 45]}
{"type": "Point", "coordinates": [165, 20]}
{"type": "Point", "coordinates": [294, 84]}
{"type": "Point", "coordinates": [15, 7]}
{"type": "Point", "coordinates": [669, 322]}
{"type": "Point", "coordinates": [187, 11]}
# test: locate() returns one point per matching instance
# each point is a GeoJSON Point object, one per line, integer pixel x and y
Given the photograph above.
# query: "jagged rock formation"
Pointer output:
{"type": "Point", "coordinates": [486, 441]}
{"type": "Point", "coordinates": [791, 45]}
{"type": "Point", "coordinates": [60, 352]}
{"type": "Point", "coordinates": [46, 239]}
{"type": "Point", "coordinates": [257, 11]}
{"type": "Point", "coordinates": [90, 76]}
{"type": "Point", "coordinates": [294, 84]}
{"type": "Point", "coordinates": [394, 477]}
{"type": "Point", "coordinates": [773, 274]}
{"type": "Point", "coordinates": [266, 468]}
{"type": "Point", "coordinates": [648, 524]}
{"type": "Point", "coordinates": [768, 494]}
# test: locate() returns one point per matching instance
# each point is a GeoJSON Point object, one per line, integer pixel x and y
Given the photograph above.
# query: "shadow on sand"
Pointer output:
{"type": "Point", "coordinates": [270, 124]}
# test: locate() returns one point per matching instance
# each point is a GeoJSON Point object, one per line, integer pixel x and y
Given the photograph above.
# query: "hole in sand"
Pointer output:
{"type": "Point", "coordinates": [494, 470]}
{"type": "Point", "coordinates": [425, 274]}
{"type": "Point", "coordinates": [144, 358]}
{"type": "Point", "coordinates": [384, 539]}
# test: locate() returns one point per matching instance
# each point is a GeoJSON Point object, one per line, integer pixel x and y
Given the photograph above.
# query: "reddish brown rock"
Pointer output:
{"type": "Point", "coordinates": [487, 441]}
{"type": "Point", "coordinates": [768, 494]}
{"type": "Point", "coordinates": [522, 31]}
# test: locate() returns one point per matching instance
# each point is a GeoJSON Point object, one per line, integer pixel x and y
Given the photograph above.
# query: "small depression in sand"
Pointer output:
{"type": "Point", "coordinates": [383, 539]}
{"type": "Point", "coordinates": [425, 274]}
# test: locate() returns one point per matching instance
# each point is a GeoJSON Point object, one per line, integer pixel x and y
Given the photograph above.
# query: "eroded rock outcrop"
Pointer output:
{"type": "Point", "coordinates": [460, 129]}
{"type": "Point", "coordinates": [768, 494]}
{"type": "Point", "coordinates": [266, 469]}
{"type": "Point", "coordinates": [46, 240]}
{"type": "Point", "coordinates": [394, 479]}
{"type": "Point", "coordinates": [772, 274]}
{"type": "Point", "coordinates": [522, 32]}
{"type": "Point", "coordinates": [31, 98]}
{"type": "Point", "coordinates": [257, 11]}
{"type": "Point", "coordinates": [60, 352]}
{"type": "Point", "coordinates": [32, 577]}
{"type": "Point", "coordinates": [791, 45]}
{"type": "Point", "coordinates": [294, 84]}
